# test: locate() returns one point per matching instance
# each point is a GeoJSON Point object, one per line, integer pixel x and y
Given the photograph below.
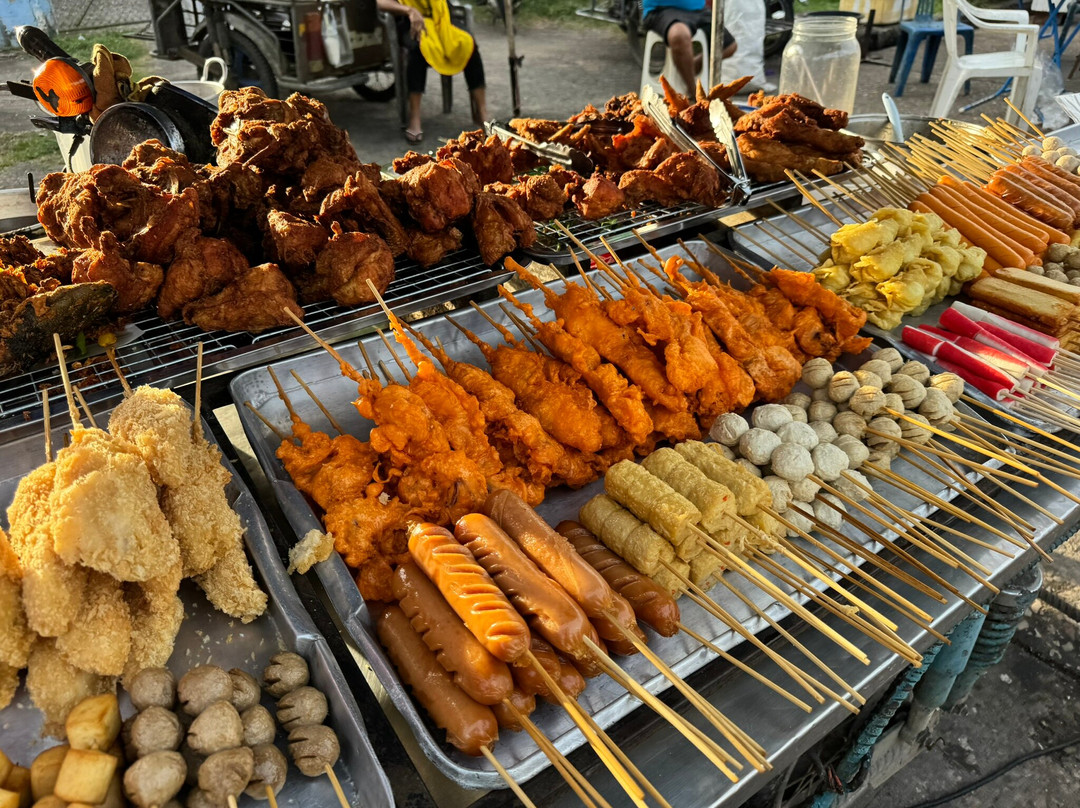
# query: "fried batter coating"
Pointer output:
{"type": "Point", "coordinates": [202, 266]}
{"type": "Point", "coordinates": [501, 226]}
{"type": "Point", "coordinates": [104, 509]}
{"type": "Point", "coordinates": [99, 638]}
{"type": "Point", "coordinates": [359, 206]}
{"type": "Point", "coordinates": [135, 282]}
{"type": "Point", "coordinates": [156, 615]}
{"type": "Point", "coordinates": [202, 522]}
{"type": "Point", "coordinates": [9, 683]}
{"type": "Point", "coordinates": [55, 686]}
{"type": "Point", "coordinates": [489, 158]}
{"type": "Point", "coordinates": [230, 585]}
{"type": "Point", "coordinates": [438, 194]}
{"type": "Point", "coordinates": [599, 197]}
{"type": "Point", "coordinates": [253, 302]}
{"type": "Point", "coordinates": [291, 240]}
{"type": "Point", "coordinates": [428, 249]}
{"type": "Point", "coordinates": [349, 260]}
{"type": "Point", "coordinates": [15, 637]}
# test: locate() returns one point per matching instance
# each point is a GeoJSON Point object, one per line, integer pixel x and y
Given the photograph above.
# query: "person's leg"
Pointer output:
{"type": "Point", "coordinates": [415, 81]}
{"type": "Point", "coordinates": [474, 79]}
{"type": "Point", "coordinates": [680, 42]}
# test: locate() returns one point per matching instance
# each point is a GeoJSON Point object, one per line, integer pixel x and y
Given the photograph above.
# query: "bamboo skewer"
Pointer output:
{"type": "Point", "coordinates": [586, 792]}
{"type": "Point", "coordinates": [808, 226]}
{"type": "Point", "coordinates": [281, 435]}
{"type": "Point", "coordinates": [111, 354]}
{"type": "Point", "coordinates": [505, 775]}
{"type": "Point", "coordinates": [337, 787]}
{"type": "Point", "coordinates": [85, 407]}
{"type": "Point", "coordinates": [271, 797]}
{"type": "Point", "coordinates": [46, 415]}
{"type": "Point", "coordinates": [73, 410]}
{"type": "Point", "coordinates": [196, 423]}
{"type": "Point", "coordinates": [1028, 446]}
{"type": "Point", "coordinates": [397, 359]}
{"type": "Point", "coordinates": [318, 402]}
{"type": "Point", "coordinates": [1032, 456]}
{"type": "Point", "coordinates": [824, 196]}
{"type": "Point", "coordinates": [1024, 118]}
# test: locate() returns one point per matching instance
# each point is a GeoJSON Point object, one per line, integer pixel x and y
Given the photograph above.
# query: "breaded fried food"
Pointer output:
{"type": "Point", "coordinates": [104, 509]}
{"type": "Point", "coordinates": [15, 637]}
{"type": "Point", "coordinates": [202, 522]}
{"type": "Point", "coordinates": [156, 615]}
{"type": "Point", "coordinates": [9, 683]}
{"type": "Point", "coordinates": [100, 636]}
{"type": "Point", "coordinates": [55, 686]}
{"type": "Point", "coordinates": [230, 585]}
{"type": "Point", "coordinates": [51, 591]}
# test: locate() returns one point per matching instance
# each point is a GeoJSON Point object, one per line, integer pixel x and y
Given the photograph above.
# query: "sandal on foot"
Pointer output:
{"type": "Point", "coordinates": [413, 137]}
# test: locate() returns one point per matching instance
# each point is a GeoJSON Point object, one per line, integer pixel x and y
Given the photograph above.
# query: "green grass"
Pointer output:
{"type": "Point", "coordinates": [26, 147]}
{"type": "Point", "coordinates": [81, 45]}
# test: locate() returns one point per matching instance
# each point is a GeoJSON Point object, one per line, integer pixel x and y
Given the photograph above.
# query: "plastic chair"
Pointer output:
{"type": "Point", "coordinates": [912, 34]}
{"type": "Point", "coordinates": [669, 71]}
{"type": "Point", "coordinates": [1017, 64]}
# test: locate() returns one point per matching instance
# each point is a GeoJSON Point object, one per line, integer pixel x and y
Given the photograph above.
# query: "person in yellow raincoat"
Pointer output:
{"type": "Point", "coordinates": [431, 40]}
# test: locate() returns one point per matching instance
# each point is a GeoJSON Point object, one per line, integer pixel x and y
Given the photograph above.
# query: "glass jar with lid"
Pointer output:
{"type": "Point", "coordinates": [821, 61]}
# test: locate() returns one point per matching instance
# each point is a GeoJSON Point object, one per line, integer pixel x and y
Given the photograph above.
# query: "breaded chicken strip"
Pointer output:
{"type": "Point", "coordinates": [105, 512]}
{"type": "Point", "coordinates": [15, 637]}
{"type": "Point", "coordinates": [55, 686]}
{"type": "Point", "coordinates": [156, 615]}
{"type": "Point", "coordinates": [202, 522]}
{"type": "Point", "coordinates": [230, 585]}
{"type": "Point", "coordinates": [9, 683]}
{"type": "Point", "coordinates": [100, 636]}
{"type": "Point", "coordinates": [51, 591]}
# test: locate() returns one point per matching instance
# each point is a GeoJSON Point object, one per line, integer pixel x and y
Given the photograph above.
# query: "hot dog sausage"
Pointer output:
{"type": "Point", "coordinates": [471, 666]}
{"type": "Point", "coordinates": [469, 725]}
{"type": "Point", "coordinates": [527, 678]}
{"type": "Point", "coordinates": [652, 604]}
{"type": "Point", "coordinates": [570, 680]}
{"type": "Point", "coordinates": [551, 611]}
{"type": "Point", "coordinates": [506, 717]}
{"type": "Point", "coordinates": [554, 555]}
{"type": "Point", "coordinates": [470, 591]}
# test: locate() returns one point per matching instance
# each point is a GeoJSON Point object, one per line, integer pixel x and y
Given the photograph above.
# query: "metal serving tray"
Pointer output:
{"type": "Point", "coordinates": [605, 700]}
{"type": "Point", "coordinates": [208, 636]}
{"type": "Point", "coordinates": [154, 351]}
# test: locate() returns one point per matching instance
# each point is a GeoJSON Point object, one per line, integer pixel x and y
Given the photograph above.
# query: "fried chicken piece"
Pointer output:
{"type": "Point", "coordinates": [411, 159]}
{"type": "Point", "coordinates": [489, 158]}
{"type": "Point", "coordinates": [104, 509]}
{"type": "Point", "coordinates": [599, 197]}
{"type": "Point", "coordinates": [231, 587]}
{"type": "Point", "coordinates": [55, 686]}
{"type": "Point", "coordinates": [569, 181]}
{"type": "Point", "coordinates": [203, 266]}
{"type": "Point", "coordinates": [321, 177]}
{"type": "Point", "coordinates": [149, 152]}
{"type": "Point", "coordinates": [51, 590]}
{"type": "Point", "coordinates": [135, 282]}
{"type": "Point", "coordinates": [544, 198]}
{"type": "Point", "coordinates": [438, 194]}
{"type": "Point", "coordinates": [253, 302]}
{"type": "Point", "coordinates": [157, 613]}
{"type": "Point", "coordinates": [696, 122]}
{"type": "Point", "coordinates": [646, 186]}
{"type": "Point", "coordinates": [349, 260]}
{"type": "Point", "coordinates": [692, 178]}
{"type": "Point", "coordinates": [99, 638]}
{"type": "Point", "coordinates": [537, 130]}
{"type": "Point", "coordinates": [428, 249]}
{"type": "Point", "coordinates": [500, 227]}
{"type": "Point", "coordinates": [827, 118]}
{"type": "Point", "coordinates": [521, 159]}
{"type": "Point", "coordinates": [358, 206]}
{"type": "Point", "coordinates": [843, 319]}
{"type": "Point", "coordinates": [766, 159]}
{"type": "Point", "coordinates": [723, 92]}
{"type": "Point", "coordinates": [658, 152]}
{"type": "Point", "coordinates": [624, 107]}
{"type": "Point", "coordinates": [17, 250]}
{"type": "Point", "coordinates": [15, 636]}
{"type": "Point", "coordinates": [793, 128]}
{"type": "Point", "coordinates": [75, 209]}
{"type": "Point", "coordinates": [291, 241]}
{"type": "Point", "coordinates": [228, 197]}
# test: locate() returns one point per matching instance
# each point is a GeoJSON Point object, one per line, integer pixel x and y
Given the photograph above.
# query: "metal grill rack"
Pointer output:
{"type": "Point", "coordinates": [154, 351]}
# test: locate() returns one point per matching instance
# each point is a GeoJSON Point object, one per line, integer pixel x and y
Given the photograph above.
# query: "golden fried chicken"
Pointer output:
{"type": "Point", "coordinates": [323, 175]}
{"type": "Point", "coordinates": [767, 105]}
{"type": "Point", "coordinates": [489, 158]}
{"type": "Point", "coordinates": [203, 266]}
{"type": "Point", "coordinates": [438, 194]}
{"type": "Point", "coordinates": [349, 261]}
{"type": "Point", "coordinates": [230, 584]}
{"type": "Point", "coordinates": [135, 282]}
{"type": "Point", "coordinates": [599, 197]}
{"type": "Point", "coordinates": [55, 685]}
{"type": "Point", "coordinates": [633, 145]}
{"type": "Point", "coordinates": [539, 195]}
{"type": "Point", "coordinates": [411, 159]}
{"type": "Point", "coordinates": [99, 638]}
{"type": "Point", "coordinates": [253, 302]}
{"type": "Point", "coordinates": [15, 636]}
{"type": "Point", "coordinates": [428, 249]}
{"type": "Point", "coordinates": [292, 241]}
{"type": "Point", "coordinates": [767, 160]}
{"type": "Point", "coordinates": [104, 509]}
{"type": "Point", "coordinates": [358, 206]}
{"type": "Point", "coordinates": [692, 178]}
{"type": "Point", "coordinates": [500, 227]}
{"type": "Point", "coordinates": [17, 250]}
{"type": "Point", "coordinates": [646, 186]}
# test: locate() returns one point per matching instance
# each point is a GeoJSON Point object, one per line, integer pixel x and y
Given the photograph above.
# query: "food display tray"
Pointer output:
{"type": "Point", "coordinates": [603, 698]}
{"type": "Point", "coordinates": [151, 350]}
{"type": "Point", "coordinates": [209, 636]}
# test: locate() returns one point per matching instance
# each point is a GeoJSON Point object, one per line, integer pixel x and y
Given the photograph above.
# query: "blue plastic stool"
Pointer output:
{"type": "Point", "coordinates": [912, 34]}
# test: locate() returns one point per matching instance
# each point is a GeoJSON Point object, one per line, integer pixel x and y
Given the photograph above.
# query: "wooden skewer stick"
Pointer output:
{"type": "Point", "coordinates": [1020, 442]}
{"type": "Point", "coordinates": [506, 333]}
{"type": "Point", "coordinates": [73, 410]}
{"type": "Point", "coordinates": [337, 787]}
{"type": "Point", "coordinates": [578, 716]}
{"type": "Point", "coordinates": [734, 562]}
{"type": "Point", "coordinates": [271, 797]}
{"type": "Point", "coordinates": [111, 354]}
{"type": "Point", "coordinates": [585, 790]}
{"type": "Point", "coordinates": [267, 423]}
{"type": "Point", "coordinates": [783, 632]}
{"type": "Point", "coordinates": [318, 402]}
{"type": "Point", "coordinates": [1024, 118]}
{"type": "Point", "coordinates": [231, 801]}
{"type": "Point", "coordinates": [346, 368]}
{"type": "Point", "coordinates": [1032, 456]}
{"type": "Point", "coordinates": [196, 423]}
{"type": "Point", "coordinates": [808, 193]}
{"type": "Point", "coordinates": [941, 433]}
{"type": "Point", "coordinates": [793, 243]}
{"type": "Point", "coordinates": [776, 258]}
{"type": "Point", "coordinates": [505, 775]}
{"type": "Point", "coordinates": [523, 327]}
{"type": "Point", "coordinates": [46, 415]}
{"type": "Point", "coordinates": [808, 226]}
{"type": "Point", "coordinates": [85, 407]}
{"type": "Point", "coordinates": [845, 191]}
{"type": "Point", "coordinates": [397, 359]}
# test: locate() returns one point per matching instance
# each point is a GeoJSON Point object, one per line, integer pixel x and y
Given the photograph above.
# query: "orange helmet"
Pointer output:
{"type": "Point", "coordinates": [62, 89]}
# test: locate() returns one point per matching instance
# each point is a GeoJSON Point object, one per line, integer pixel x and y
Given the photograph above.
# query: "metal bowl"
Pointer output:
{"type": "Point", "coordinates": [876, 128]}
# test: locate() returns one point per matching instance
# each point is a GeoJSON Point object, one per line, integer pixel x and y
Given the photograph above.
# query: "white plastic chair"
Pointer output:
{"type": "Point", "coordinates": [669, 71]}
{"type": "Point", "coordinates": [1017, 64]}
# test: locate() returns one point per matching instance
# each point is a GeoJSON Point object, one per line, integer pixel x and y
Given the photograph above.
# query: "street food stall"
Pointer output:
{"type": "Point", "coordinates": [480, 480]}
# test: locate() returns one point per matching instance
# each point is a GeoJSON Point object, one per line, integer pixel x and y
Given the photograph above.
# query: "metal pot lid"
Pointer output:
{"type": "Point", "coordinates": [123, 126]}
{"type": "Point", "coordinates": [876, 128]}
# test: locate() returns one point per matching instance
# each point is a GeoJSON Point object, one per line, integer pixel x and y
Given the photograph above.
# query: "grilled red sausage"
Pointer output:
{"type": "Point", "coordinates": [469, 590]}
{"type": "Point", "coordinates": [506, 718]}
{"type": "Point", "coordinates": [469, 725]}
{"type": "Point", "coordinates": [554, 555]}
{"type": "Point", "coordinates": [471, 666]}
{"type": "Point", "coordinates": [651, 602]}
{"type": "Point", "coordinates": [570, 680]}
{"type": "Point", "coordinates": [551, 612]}
{"type": "Point", "coordinates": [527, 678]}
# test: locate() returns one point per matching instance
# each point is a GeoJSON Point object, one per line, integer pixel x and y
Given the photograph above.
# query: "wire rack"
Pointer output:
{"type": "Point", "coordinates": [154, 351]}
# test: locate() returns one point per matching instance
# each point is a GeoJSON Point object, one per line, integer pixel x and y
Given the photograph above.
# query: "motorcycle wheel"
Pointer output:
{"type": "Point", "coordinates": [247, 65]}
{"type": "Point", "coordinates": [635, 32]}
{"type": "Point", "coordinates": [378, 86]}
{"type": "Point", "coordinates": [778, 11]}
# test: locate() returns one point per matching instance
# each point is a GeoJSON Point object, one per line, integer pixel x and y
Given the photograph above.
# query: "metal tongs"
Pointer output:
{"type": "Point", "coordinates": [556, 153]}
{"type": "Point", "coordinates": [657, 110]}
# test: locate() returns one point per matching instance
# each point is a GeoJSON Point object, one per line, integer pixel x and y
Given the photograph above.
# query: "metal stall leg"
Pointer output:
{"type": "Point", "coordinates": [932, 690]}
{"type": "Point", "coordinates": [1004, 615]}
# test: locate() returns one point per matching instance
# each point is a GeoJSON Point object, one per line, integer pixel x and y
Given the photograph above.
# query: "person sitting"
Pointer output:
{"type": "Point", "coordinates": [431, 40]}
{"type": "Point", "coordinates": [676, 22]}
